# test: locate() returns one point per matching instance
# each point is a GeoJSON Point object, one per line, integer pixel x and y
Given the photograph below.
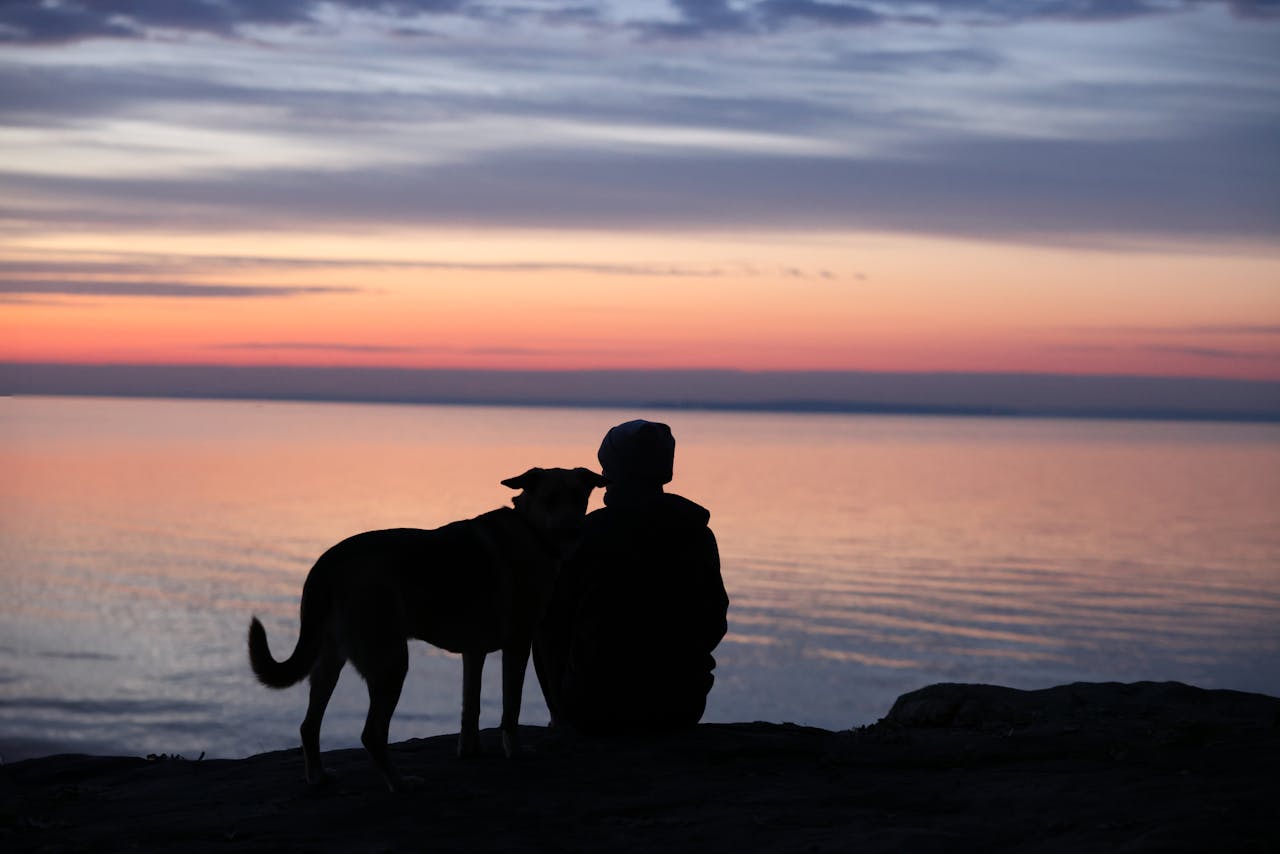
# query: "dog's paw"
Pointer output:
{"type": "Point", "coordinates": [323, 777]}
{"type": "Point", "coordinates": [511, 744]}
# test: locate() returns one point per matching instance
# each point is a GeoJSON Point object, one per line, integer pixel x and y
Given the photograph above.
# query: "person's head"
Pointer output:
{"type": "Point", "coordinates": [638, 454]}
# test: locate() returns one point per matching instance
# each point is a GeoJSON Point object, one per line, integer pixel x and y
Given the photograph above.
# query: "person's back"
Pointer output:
{"type": "Point", "coordinates": [627, 642]}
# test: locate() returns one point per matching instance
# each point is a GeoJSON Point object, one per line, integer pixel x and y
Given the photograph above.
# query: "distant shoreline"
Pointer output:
{"type": "Point", "coordinates": [799, 392]}
{"type": "Point", "coordinates": [781, 408]}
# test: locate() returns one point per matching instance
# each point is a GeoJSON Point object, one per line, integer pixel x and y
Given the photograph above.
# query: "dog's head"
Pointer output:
{"type": "Point", "coordinates": [555, 501]}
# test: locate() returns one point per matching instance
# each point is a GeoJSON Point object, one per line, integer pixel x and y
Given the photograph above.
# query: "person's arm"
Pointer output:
{"type": "Point", "coordinates": [714, 599]}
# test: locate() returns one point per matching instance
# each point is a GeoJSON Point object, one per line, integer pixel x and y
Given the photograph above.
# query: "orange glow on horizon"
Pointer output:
{"type": "Point", "coordinates": [581, 301]}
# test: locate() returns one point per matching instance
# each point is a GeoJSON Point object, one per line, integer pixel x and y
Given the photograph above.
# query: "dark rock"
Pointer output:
{"type": "Point", "coordinates": [1086, 767]}
{"type": "Point", "coordinates": [1081, 704]}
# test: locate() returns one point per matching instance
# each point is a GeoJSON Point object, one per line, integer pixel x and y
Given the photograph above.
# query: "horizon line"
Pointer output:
{"type": "Point", "coordinates": [798, 407]}
{"type": "Point", "coordinates": [973, 394]}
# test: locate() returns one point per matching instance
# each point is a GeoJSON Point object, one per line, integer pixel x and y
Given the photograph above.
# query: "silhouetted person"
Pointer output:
{"type": "Point", "coordinates": [627, 640]}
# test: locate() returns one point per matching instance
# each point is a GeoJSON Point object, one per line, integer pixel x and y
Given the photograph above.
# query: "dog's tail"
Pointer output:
{"type": "Point", "coordinates": [295, 668]}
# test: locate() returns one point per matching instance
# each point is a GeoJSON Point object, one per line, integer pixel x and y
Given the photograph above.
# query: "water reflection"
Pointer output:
{"type": "Point", "coordinates": [865, 556]}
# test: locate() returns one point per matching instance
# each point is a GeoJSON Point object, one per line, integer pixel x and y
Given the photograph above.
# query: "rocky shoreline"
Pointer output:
{"type": "Point", "coordinates": [1083, 767]}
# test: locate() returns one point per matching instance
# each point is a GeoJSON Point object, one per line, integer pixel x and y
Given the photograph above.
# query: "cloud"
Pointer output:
{"type": "Point", "coordinates": [67, 97]}
{"type": "Point", "coordinates": [1210, 352]}
{"type": "Point", "coordinates": [1197, 352]}
{"type": "Point", "coordinates": [182, 290]}
{"type": "Point", "coordinates": [1249, 329]}
{"type": "Point", "coordinates": [1017, 11]}
{"type": "Point", "coordinates": [47, 22]}
{"type": "Point", "coordinates": [71, 94]}
{"type": "Point", "coordinates": [62, 21]}
{"type": "Point", "coordinates": [1255, 9]}
{"type": "Point", "coordinates": [702, 19]}
{"type": "Point", "coordinates": [321, 346]}
{"type": "Point", "coordinates": [1237, 329]}
{"type": "Point", "coordinates": [35, 22]}
{"type": "Point", "coordinates": [698, 19]}
{"type": "Point", "coordinates": [156, 264]}
{"type": "Point", "coordinates": [987, 188]}
{"type": "Point", "coordinates": [939, 130]}
{"type": "Point", "coordinates": [543, 351]}
{"type": "Point", "coordinates": [837, 14]}
{"type": "Point", "coordinates": [380, 349]}
{"type": "Point", "coordinates": [22, 299]}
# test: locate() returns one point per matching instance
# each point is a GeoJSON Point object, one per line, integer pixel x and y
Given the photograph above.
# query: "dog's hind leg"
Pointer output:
{"type": "Point", "coordinates": [469, 737]}
{"type": "Point", "coordinates": [385, 679]}
{"type": "Point", "coordinates": [324, 676]}
{"type": "Point", "coordinates": [515, 660]}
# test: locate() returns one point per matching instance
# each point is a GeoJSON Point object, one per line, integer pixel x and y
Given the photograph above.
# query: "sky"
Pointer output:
{"type": "Point", "coordinates": [979, 186]}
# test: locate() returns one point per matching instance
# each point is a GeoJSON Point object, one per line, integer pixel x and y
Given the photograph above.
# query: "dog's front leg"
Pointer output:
{"type": "Point", "coordinates": [515, 659]}
{"type": "Point", "coordinates": [469, 737]}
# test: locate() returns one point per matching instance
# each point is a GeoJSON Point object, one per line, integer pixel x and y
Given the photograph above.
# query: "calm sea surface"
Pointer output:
{"type": "Point", "coordinates": [865, 556]}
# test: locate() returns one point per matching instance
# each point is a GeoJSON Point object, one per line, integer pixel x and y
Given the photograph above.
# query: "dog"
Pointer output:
{"type": "Point", "coordinates": [472, 587]}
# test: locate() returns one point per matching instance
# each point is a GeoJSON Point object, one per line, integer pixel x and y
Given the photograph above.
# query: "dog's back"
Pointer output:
{"type": "Point", "coordinates": [464, 587]}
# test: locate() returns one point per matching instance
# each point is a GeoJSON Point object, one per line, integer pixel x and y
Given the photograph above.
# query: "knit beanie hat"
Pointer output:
{"type": "Point", "coordinates": [638, 452]}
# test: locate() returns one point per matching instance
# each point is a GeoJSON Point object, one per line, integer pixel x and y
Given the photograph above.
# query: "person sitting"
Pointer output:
{"type": "Point", "coordinates": [637, 610]}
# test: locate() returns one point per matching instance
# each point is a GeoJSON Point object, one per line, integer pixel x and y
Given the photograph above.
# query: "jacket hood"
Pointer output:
{"type": "Point", "coordinates": [684, 511]}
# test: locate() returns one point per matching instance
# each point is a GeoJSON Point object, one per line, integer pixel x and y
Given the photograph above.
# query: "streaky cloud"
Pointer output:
{"type": "Point", "coordinates": [320, 346]}
{"type": "Point", "coordinates": [1029, 190]}
{"type": "Point", "coordinates": [139, 262]}
{"type": "Point", "coordinates": [181, 290]}
{"type": "Point", "coordinates": [1250, 329]}
{"type": "Point", "coordinates": [37, 22]}
{"type": "Point", "coordinates": [1189, 350]}
{"type": "Point", "coordinates": [1212, 352]}
{"type": "Point", "coordinates": [41, 22]}
{"type": "Point", "coordinates": [1255, 9]}
{"type": "Point", "coordinates": [374, 349]}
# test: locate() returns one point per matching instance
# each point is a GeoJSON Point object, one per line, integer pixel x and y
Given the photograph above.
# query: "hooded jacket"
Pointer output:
{"type": "Point", "coordinates": [636, 613]}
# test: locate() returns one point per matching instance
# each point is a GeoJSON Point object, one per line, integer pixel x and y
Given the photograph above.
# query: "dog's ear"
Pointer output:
{"type": "Point", "coordinates": [524, 481]}
{"type": "Point", "coordinates": [595, 481]}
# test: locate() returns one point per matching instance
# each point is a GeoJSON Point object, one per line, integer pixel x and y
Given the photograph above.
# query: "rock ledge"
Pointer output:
{"type": "Point", "coordinates": [1109, 766]}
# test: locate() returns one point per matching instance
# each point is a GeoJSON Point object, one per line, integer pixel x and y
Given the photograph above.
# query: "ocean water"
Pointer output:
{"type": "Point", "coordinates": [865, 556]}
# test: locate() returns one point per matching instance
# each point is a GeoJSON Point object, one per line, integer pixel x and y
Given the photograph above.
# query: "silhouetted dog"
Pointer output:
{"type": "Point", "coordinates": [472, 587]}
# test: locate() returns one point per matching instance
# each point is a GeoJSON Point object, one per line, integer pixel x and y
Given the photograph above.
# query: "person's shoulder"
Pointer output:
{"type": "Point", "coordinates": [683, 510]}
{"type": "Point", "coordinates": [665, 510]}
